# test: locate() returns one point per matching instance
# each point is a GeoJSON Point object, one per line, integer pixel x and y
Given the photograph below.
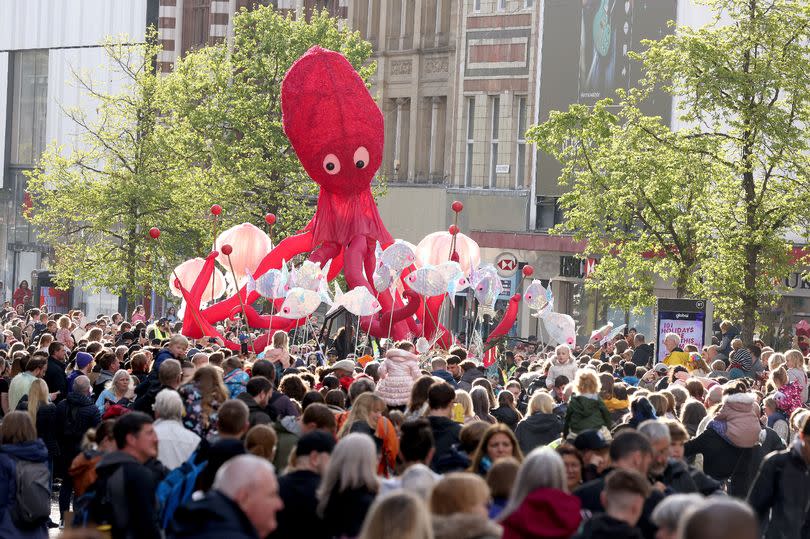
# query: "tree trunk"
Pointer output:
{"type": "Point", "coordinates": [750, 297]}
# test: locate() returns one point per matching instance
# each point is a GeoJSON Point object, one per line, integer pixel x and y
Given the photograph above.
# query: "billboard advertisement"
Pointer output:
{"type": "Point", "coordinates": [688, 318]}
{"type": "Point", "coordinates": [585, 46]}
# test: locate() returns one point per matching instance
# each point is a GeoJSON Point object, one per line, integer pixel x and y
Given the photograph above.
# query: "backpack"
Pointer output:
{"type": "Point", "coordinates": [96, 505]}
{"type": "Point", "coordinates": [176, 489]}
{"type": "Point", "coordinates": [33, 494]}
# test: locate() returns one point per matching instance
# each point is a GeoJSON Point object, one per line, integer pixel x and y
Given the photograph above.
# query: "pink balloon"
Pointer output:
{"type": "Point", "coordinates": [435, 249]}
{"type": "Point", "coordinates": [250, 245]}
{"type": "Point", "coordinates": [188, 271]}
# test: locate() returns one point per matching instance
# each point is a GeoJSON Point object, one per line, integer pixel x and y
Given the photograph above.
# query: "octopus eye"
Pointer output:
{"type": "Point", "coordinates": [331, 164]}
{"type": "Point", "coordinates": [361, 157]}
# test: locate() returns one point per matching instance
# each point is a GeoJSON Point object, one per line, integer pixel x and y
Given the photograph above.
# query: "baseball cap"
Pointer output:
{"type": "Point", "coordinates": [83, 359]}
{"type": "Point", "coordinates": [660, 368]}
{"type": "Point", "coordinates": [590, 440]}
{"type": "Point", "coordinates": [317, 440]}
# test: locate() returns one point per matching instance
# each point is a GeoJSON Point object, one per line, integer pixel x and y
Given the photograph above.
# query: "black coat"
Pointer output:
{"type": "Point", "coordinates": [74, 416]}
{"type": "Point", "coordinates": [589, 495]}
{"type": "Point", "coordinates": [780, 495]}
{"type": "Point", "coordinates": [131, 489]}
{"type": "Point", "coordinates": [299, 517]}
{"type": "Point", "coordinates": [469, 377]}
{"type": "Point", "coordinates": [642, 355]}
{"type": "Point", "coordinates": [345, 512]}
{"type": "Point", "coordinates": [256, 414]}
{"type": "Point", "coordinates": [56, 378]}
{"type": "Point", "coordinates": [677, 477]}
{"type": "Point", "coordinates": [214, 517]}
{"type": "Point", "coordinates": [507, 416]}
{"type": "Point", "coordinates": [445, 435]}
{"type": "Point", "coordinates": [47, 425]}
{"type": "Point", "coordinates": [605, 527]}
{"type": "Point", "coordinates": [720, 458]}
{"type": "Point", "coordinates": [538, 430]}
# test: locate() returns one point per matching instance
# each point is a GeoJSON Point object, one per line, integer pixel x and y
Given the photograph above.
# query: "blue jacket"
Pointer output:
{"type": "Point", "coordinates": [163, 355]}
{"type": "Point", "coordinates": [446, 376]}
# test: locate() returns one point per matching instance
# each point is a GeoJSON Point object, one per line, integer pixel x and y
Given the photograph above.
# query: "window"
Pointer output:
{"type": "Point", "coordinates": [477, 5]}
{"type": "Point", "coordinates": [196, 15]}
{"type": "Point", "coordinates": [520, 160]}
{"type": "Point", "coordinates": [501, 5]}
{"type": "Point", "coordinates": [470, 142]}
{"type": "Point", "coordinates": [495, 105]}
{"type": "Point", "coordinates": [29, 93]}
{"type": "Point", "coordinates": [548, 212]}
{"type": "Point", "coordinates": [529, 4]}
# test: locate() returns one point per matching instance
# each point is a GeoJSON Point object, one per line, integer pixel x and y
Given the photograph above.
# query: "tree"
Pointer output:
{"type": "Point", "coordinates": [740, 87]}
{"type": "Point", "coordinates": [225, 113]}
{"type": "Point", "coordinates": [96, 201]}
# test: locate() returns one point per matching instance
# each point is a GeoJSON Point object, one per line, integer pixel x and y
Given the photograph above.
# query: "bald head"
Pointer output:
{"type": "Point", "coordinates": [719, 518]}
{"type": "Point", "coordinates": [81, 385]}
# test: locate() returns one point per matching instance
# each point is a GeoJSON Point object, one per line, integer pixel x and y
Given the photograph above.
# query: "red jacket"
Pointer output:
{"type": "Point", "coordinates": [546, 512]}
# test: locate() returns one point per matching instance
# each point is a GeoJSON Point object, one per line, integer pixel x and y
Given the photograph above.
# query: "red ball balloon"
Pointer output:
{"type": "Point", "coordinates": [216, 209]}
{"type": "Point", "coordinates": [454, 257]}
{"type": "Point", "coordinates": [226, 249]}
{"type": "Point", "coordinates": [528, 270]}
{"type": "Point", "coordinates": [154, 232]}
{"type": "Point", "coordinates": [457, 206]}
{"type": "Point", "coordinates": [270, 219]}
{"type": "Point", "coordinates": [453, 230]}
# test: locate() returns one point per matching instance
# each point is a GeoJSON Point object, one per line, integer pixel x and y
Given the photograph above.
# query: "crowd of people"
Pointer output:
{"type": "Point", "coordinates": [141, 433]}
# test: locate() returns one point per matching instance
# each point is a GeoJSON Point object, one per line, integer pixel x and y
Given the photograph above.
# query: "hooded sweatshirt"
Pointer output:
{"type": "Point", "coordinates": [537, 430]}
{"type": "Point", "coordinates": [586, 412]}
{"type": "Point", "coordinates": [397, 374]}
{"type": "Point", "coordinates": [546, 513]}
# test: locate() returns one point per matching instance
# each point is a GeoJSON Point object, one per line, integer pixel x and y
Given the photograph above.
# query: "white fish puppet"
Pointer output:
{"type": "Point", "coordinates": [397, 256]}
{"type": "Point", "coordinates": [299, 303]}
{"type": "Point", "coordinates": [427, 281]}
{"type": "Point", "coordinates": [560, 328]}
{"type": "Point", "coordinates": [538, 297]}
{"type": "Point", "coordinates": [456, 280]}
{"type": "Point", "coordinates": [358, 301]}
{"type": "Point", "coordinates": [486, 284]}
{"type": "Point", "coordinates": [273, 284]}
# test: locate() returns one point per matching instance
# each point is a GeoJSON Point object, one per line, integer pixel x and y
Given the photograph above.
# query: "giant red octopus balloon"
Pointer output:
{"type": "Point", "coordinates": [337, 132]}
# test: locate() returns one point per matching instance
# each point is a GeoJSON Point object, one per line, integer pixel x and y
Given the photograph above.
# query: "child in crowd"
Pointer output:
{"type": "Point", "coordinates": [563, 364]}
{"type": "Point", "coordinates": [796, 373]}
{"type": "Point", "coordinates": [585, 409]}
{"type": "Point", "coordinates": [737, 420]}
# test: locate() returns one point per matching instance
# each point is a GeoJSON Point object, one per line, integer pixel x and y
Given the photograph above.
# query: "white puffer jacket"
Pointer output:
{"type": "Point", "coordinates": [398, 373]}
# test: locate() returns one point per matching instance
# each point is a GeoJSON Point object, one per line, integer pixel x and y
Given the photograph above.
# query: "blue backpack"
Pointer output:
{"type": "Point", "coordinates": [176, 489]}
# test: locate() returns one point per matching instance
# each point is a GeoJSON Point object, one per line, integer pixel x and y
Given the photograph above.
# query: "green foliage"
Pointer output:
{"type": "Point", "coordinates": [718, 199]}
{"type": "Point", "coordinates": [225, 114]}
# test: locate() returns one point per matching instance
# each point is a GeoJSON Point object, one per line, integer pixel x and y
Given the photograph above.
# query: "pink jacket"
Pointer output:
{"type": "Point", "coordinates": [742, 422]}
{"type": "Point", "coordinates": [397, 374]}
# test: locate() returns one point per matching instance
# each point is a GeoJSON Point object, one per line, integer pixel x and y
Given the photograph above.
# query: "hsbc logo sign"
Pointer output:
{"type": "Point", "coordinates": [506, 264]}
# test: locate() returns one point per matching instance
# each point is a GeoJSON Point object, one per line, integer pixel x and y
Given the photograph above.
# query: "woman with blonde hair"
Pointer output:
{"type": "Point", "coordinates": [349, 486]}
{"type": "Point", "coordinates": [498, 442]}
{"type": "Point", "coordinates": [794, 363]}
{"type": "Point", "coordinates": [116, 392]}
{"type": "Point", "coordinates": [540, 504]}
{"type": "Point", "coordinates": [279, 350]}
{"type": "Point", "coordinates": [541, 426]}
{"type": "Point", "coordinates": [202, 398]}
{"type": "Point", "coordinates": [43, 416]}
{"type": "Point", "coordinates": [364, 416]}
{"type": "Point", "coordinates": [398, 515]}
{"type": "Point", "coordinates": [465, 401]}
{"type": "Point", "coordinates": [460, 501]}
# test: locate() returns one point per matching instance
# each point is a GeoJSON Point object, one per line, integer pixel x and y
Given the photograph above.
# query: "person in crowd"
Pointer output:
{"type": "Point", "coordinates": [594, 449]}
{"type": "Point", "coordinates": [175, 442]}
{"type": "Point", "coordinates": [299, 486]}
{"type": "Point", "coordinates": [175, 349]}
{"type": "Point", "coordinates": [460, 501]}
{"type": "Point", "coordinates": [24, 479]}
{"type": "Point", "coordinates": [120, 391]}
{"type": "Point", "coordinates": [780, 493]}
{"type": "Point", "coordinates": [398, 515]}
{"type": "Point", "coordinates": [540, 503]}
{"type": "Point", "coordinates": [417, 448]}
{"type": "Point", "coordinates": [507, 412]}
{"type": "Point", "coordinates": [439, 368]}
{"type": "Point", "coordinates": [262, 441]}
{"type": "Point", "coordinates": [482, 404]}
{"type": "Point", "coordinates": [669, 512]}
{"type": "Point", "coordinates": [445, 431]}
{"type": "Point", "coordinates": [624, 498]}
{"type": "Point", "coordinates": [563, 364]}
{"type": "Point", "coordinates": [417, 403]}
{"type": "Point", "coordinates": [719, 518]}
{"type": "Point", "coordinates": [673, 473]}
{"type": "Point", "coordinates": [109, 364]}
{"type": "Point", "coordinates": [202, 399]}
{"type": "Point", "coordinates": [398, 373]}
{"type": "Point", "coordinates": [463, 411]}
{"type": "Point", "coordinates": [279, 405]}
{"type": "Point", "coordinates": [242, 504]}
{"type": "Point", "coordinates": [363, 417]}
{"type": "Point", "coordinates": [572, 459]}
{"type": "Point", "coordinates": [20, 385]}
{"type": "Point", "coordinates": [55, 375]}
{"type": "Point", "coordinates": [585, 409]}
{"type": "Point", "coordinates": [500, 478]}
{"type": "Point", "coordinates": [124, 480]}
{"type": "Point", "coordinates": [256, 395]}
{"type": "Point", "coordinates": [169, 377]}
{"type": "Point", "coordinates": [232, 424]}
{"type": "Point", "coordinates": [22, 295]}
{"type": "Point", "coordinates": [43, 415]}
{"type": "Point", "coordinates": [96, 443]}
{"type": "Point", "coordinates": [235, 377]}
{"type": "Point", "coordinates": [630, 451]}
{"type": "Point", "coordinates": [74, 416]}
{"type": "Point", "coordinates": [542, 426]}
{"type": "Point", "coordinates": [678, 437]}
{"type": "Point", "coordinates": [642, 352]}
{"type": "Point", "coordinates": [83, 366]}
{"type": "Point", "coordinates": [498, 442]}
{"type": "Point", "coordinates": [349, 486]}
{"type": "Point", "coordinates": [471, 373]}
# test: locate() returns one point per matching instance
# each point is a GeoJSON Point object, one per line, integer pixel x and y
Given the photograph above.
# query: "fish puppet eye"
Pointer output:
{"type": "Point", "coordinates": [331, 164]}
{"type": "Point", "coordinates": [361, 157]}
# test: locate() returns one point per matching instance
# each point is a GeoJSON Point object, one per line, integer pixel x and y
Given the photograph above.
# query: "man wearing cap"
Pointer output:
{"type": "Point", "coordinates": [594, 448]}
{"type": "Point", "coordinates": [84, 364]}
{"type": "Point", "coordinates": [298, 487]}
